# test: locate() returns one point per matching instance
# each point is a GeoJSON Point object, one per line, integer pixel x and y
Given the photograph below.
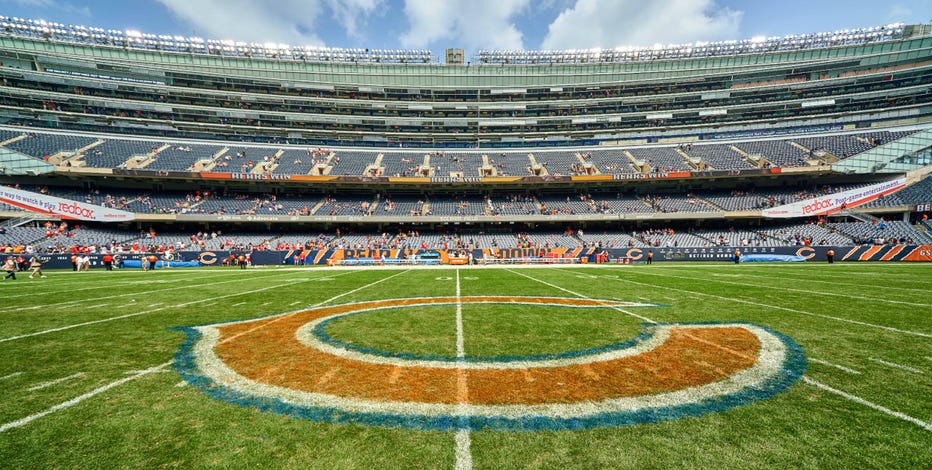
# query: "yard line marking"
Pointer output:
{"type": "Point", "coordinates": [463, 455]}
{"type": "Point", "coordinates": [583, 296]}
{"type": "Point", "coordinates": [788, 289]}
{"type": "Point", "coordinates": [776, 307]}
{"type": "Point", "coordinates": [897, 414]}
{"type": "Point", "coordinates": [331, 299]}
{"type": "Point", "coordinates": [186, 286]}
{"type": "Point", "coordinates": [826, 363]}
{"type": "Point", "coordinates": [157, 304]}
{"type": "Point", "coordinates": [10, 376]}
{"type": "Point", "coordinates": [834, 283]}
{"type": "Point", "coordinates": [97, 306]}
{"type": "Point", "coordinates": [108, 285]}
{"type": "Point", "coordinates": [462, 438]}
{"type": "Point", "coordinates": [55, 382]}
{"type": "Point", "coordinates": [895, 365]}
{"type": "Point", "coordinates": [267, 303]}
{"type": "Point", "coordinates": [460, 350]}
{"type": "Point", "coordinates": [79, 399]}
{"type": "Point", "coordinates": [128, 315]}
{"type": "Point", "coordinates": [238, 304]}
{"type": "Point", "coordinates": [294, 303]}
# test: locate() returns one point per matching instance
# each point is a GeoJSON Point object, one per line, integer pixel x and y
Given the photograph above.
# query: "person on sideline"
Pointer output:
{"type": "Point", "coordinates": [737, 256]}
{"type": "Point", "coordinates": [36, 265]}
{"type": "Point", "coordinates": [830, 256]}
{"type": "Point", "coordinates": [10, 267]}
{"type": "Point", "coordinates": [650, 256]}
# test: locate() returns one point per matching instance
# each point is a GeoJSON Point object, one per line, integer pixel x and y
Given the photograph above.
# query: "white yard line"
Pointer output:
{"type": "Point", "coordinates": [331, 299]}
{"type": "Point", "coordinates": [10, 376]}
{"type": "Point", "coordinates": [640, 317]}
{"type": "Point", "coordinates": [294, 303]}
{"type": "Point", "coordinates": [460, 349]}
{"type": "Point", "coordinates": [44, 288]}
{"type": "Point", "coordinates": [777, 307]}
{"type": "Point", "coordinates": [788, 289]}
{"type": "Point", "coordinates": [79, 399]}
{"type": "Point", "coordinates": [54, 382]}
{"type": "Point", "coordinates": [834, 283]}
{"type": "Point", "coordinates": [897, 414]}
{"type": "Point", "coordinates": [129, 315]}
{"type": "Point", "coordinates": [826, 363]}
{"type": "Point", "coordinates": [141, 293]}
{"type": "Point", "coordinates": [463, 454]}
{"type": "Point", "coordinates": [462, 438]}
{"type": "Point", "coordinates": [238, 304]}
{"type": "Point", "coordinates": [895, 365]}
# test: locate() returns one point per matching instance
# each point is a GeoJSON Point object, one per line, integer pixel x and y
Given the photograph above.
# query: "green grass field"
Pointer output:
{"type": "Point", "coordinates": [86, 378]}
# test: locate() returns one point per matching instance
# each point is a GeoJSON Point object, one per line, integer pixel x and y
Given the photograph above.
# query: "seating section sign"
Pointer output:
{"type": "Point", "coordinates": [62, 208]}
{"type": "Point", "coordinates": [832, 203]}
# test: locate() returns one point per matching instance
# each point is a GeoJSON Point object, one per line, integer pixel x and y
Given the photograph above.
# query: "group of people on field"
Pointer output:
{"type": "Point", "coordinates": [12, 265]}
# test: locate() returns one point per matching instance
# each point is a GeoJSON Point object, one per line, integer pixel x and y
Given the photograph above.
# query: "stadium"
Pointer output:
{"type": "Point", "coordinates": [698, 255]}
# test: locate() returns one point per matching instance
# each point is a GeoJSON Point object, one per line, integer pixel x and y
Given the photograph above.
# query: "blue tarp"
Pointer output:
{"type": "Point", "coordinates": [770, 258]}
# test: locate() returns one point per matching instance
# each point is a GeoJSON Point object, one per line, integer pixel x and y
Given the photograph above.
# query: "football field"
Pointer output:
{"type": "Point", "coordinates": [695, 365]}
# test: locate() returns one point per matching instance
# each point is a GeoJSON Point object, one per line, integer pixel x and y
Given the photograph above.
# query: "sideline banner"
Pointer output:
{"type": "Point", "coordinates": [63, 208]}
{"type": "Point", "coordinates": [832, 203]}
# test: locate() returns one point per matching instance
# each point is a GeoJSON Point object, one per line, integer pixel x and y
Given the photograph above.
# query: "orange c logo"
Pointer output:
{"type": "Point", "coordinates": [669, 371]}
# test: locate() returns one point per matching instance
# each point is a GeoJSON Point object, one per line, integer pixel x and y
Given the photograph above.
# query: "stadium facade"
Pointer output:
{"type": "Point", "coordinates": [517, 149]}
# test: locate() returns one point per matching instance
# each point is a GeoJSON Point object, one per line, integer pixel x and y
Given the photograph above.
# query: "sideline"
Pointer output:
{"type": "Point", "coordinates": [777, 307]}
{"type": "Point", "coordinates": [144, 312]}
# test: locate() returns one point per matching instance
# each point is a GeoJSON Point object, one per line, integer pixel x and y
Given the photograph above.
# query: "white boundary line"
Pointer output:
{"type": "Point", "coordinates": [583, 296]}
{"type": "Point", "coordinates": [826, 363]}
{"type": "Point", "coordinates": [788, 289]}
{"type": "Point", "coordinates": [776, 307]}
{"type": "Point", "coordinates": [897, 414]}
{"type": "Point", "coordinates": [144, 312]}
{"type": "Point", "coordinates": [54, 382]}
{"type": "Point", "coordinates": [331, 299]}
{"type": "Point", "coordinates": [894, 365]}
{"type": "Point", "coordinates": [462, 438]}
{"type": "Point", "coordinates": [137, 294]}
{"type": "Point", "coordinates": [10, 376]}
{"type": "Point", "coordinates": [834, 283]}
{"type": "Point", "coordinates": [79, 399]}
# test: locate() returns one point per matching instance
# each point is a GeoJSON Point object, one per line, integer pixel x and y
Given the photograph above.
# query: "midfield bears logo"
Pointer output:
{"type": "Point", "coordinates": [287, 364]}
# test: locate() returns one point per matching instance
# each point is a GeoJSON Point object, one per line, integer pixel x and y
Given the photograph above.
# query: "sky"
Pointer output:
{"type": "Point", "coordinates": [473, 24]}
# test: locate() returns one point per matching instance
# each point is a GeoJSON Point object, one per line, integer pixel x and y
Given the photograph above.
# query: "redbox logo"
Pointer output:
{"type": "Point", "coordinates": [818, 205]}
{"type": "Point", "coordinates": [75, 209]}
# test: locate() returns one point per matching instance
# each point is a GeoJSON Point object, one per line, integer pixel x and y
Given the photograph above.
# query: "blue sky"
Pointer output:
{"type": "Point", "coordinates": [473, 24]}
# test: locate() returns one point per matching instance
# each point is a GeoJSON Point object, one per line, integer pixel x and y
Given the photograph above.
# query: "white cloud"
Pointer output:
{"type": "Point", "coordinates": [470, 24]}
{"type": "Point", "coordinates": [288, 21]}
{"type": "Point", "coordinates": [613, 23]}
{"type": "Point", "coordinates": [293, 22]}
{"type": "Point", "coordinates": [353, 14]}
